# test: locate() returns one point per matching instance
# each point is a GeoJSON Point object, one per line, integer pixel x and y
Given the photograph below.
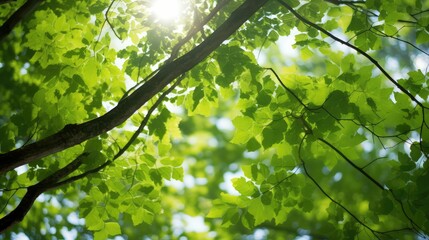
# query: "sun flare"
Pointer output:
{"type": "Point", "coordinates": [166, 10]}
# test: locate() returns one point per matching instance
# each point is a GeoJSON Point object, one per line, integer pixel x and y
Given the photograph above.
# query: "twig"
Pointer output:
{"type": "Point", "coordinates": [130, 141]}
{"type": "Point", "coordinates": [374, 232]}
{"type": "Point", "coordinates": [371, 59]}
{"type": "Point", "coordinates": [35, 190]}
{"type": "Point", "coordinates": [352, 163]}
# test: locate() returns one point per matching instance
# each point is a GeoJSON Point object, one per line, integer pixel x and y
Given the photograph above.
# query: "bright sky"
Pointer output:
{"type": "Point", "coordinates": [167, 10]}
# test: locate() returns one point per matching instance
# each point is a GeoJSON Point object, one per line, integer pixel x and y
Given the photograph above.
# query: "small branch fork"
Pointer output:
{"type": "Point", "coordinates": [162, 78]}
{"type": "Point", "coordinates": [35, 190]}
{"type": "Point", "coordinates": [372, 60]}
{"type": "Point", "coordinates": [376, 233]}
{"type": "Point", "coordinates": [56, 179]}
{"type": "Point", "coordinates": [415, 227]}
{"type": "Point", "coordinates": [195, 28]}
{"type": "Point", "coordinates": [72, 135]}
{"type": "Point", "coordinates": [130, 141]}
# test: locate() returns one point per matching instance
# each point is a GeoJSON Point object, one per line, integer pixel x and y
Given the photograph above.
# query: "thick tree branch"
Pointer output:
{"type": "Point", "coordinates": [130, 141]}
{"type": "Point", "coordinates": [34, 191]}
{"type": "Point", "coordinates": [195, 28]}
{"type": "Point", "coordinates": [17, 16]}
{"type": "Point", "coordinates": [74, 134]}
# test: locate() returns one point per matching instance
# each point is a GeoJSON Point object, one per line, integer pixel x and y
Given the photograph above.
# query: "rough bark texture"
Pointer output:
{"type": "Point", "coordinates": [74, 134]}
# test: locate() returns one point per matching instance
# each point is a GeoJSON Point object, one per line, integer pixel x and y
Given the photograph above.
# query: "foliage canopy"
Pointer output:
{"type": "Point", "coordinates": [115, 121]}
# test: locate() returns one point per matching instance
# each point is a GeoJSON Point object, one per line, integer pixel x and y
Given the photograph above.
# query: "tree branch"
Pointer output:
{"type": "Point", "coordinates": [374, 232]}
{"type": "Point", "coordinates": [195, 28]}
{"type": "Point", "coordinates": [34, 191]}
{"type": "Point", "coordinates": [74, 134]}
{"type": "Point", "coordinates": [352, 163]}
{"type": "Point", "coordinates": [17, 16]}
{"type": "Point", "coordinates": [130, 141]}
{"type": "Point", "coordinates": [371, 59]}
{"type": "Point", "coordinates": [106, 17]}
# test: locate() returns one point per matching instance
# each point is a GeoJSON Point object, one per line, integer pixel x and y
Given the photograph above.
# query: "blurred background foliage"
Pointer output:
{"type": "Point", "coordinates": [236, 151]}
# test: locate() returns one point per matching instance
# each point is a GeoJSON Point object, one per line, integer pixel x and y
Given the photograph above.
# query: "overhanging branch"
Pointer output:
{"type": "Point", "coordinates": [17, 16]}
{"type": "Point", "coordinates": [34, 191]}
{"type": "Point", "coordinates": [74, 134]}
{"type": "Point", "coordinates": [371, 59]}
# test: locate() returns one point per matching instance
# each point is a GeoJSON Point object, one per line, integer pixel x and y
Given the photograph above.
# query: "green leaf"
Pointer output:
{"type": "Point", "coordinates": [403, 128]}
{"type": "Point", "coordinates": [141, 215]}
{"type": "Point", "coordinates": [253, 145]}
{"type": "Point", "coordinates": [406, 163]}
{"type": "Point", "coordinates": [260, 212]}
{"type": "Point", "coordinates": [372, 104]}
{"type": "Point", "coordinates": [156, 177]}
{"type": "Point", "coordinates": [174, 162]}
{"type": "Point", "coordinates": [415, 152]}
{"type": "Point", "coordinates": [157, 124]}
{"type": "Point", "coordinates": [244, 187]}
{"type": "Point", "coordinates": [271, 136]}
{"type": "Point", "coordinates": [93, 145]}
{"type": "Point", "coordinates": [278, 162]}
{"type": "Point", "coordinates": [217, 210]}
{"type": "Point", "coordinates": [97, 7]}
{"type": "Point", "coordinates": [100, 235]}
{"type": "Point", "coordinates": [266, 198]}
{"type": "Point", "coordinates": [263, 98]}
{"type": "Point", "coordinates": [93, 220]}
{"type": "Point", "coordinates": [332, 69]}
{"type": "Point", "coordinates": [386, 206]}
{"type": "Point", "coordinates": [149, 159]}
{"type": "Point", "coordinates": [165, 172]}
{"type": "Point", "coordinates": [248, 220]}
{"type": "Point", "coordinates": [281, 216]}
{"type": "Point", "coordinates": [112, 228]}
{"type": "Point", "coordinates": [243, 132]}
{"type": "Point", "coordinates": [178, 174]}
{"type": "Point", "coordinates": [146, 188]}
{"type": "Point", "coordinates": [197, 96]}
{"type": "Point", "coordinates": [306, 205]}
{"type": "Point", "coordinates": [335, 212]}
{"type": "Point", "coordinates": [383, 206]}
{"type": "Point", "coordinates": [89, 73]}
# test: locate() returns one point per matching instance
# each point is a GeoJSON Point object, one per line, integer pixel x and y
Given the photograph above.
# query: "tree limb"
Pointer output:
{"type": "Point", "coordinates": [353, 164]}
{"type": "Point", "coordinates": [74, 134]}
{"type": "Point", "coordinates": [130, 141]}
{"type": "Point", "coordinates": [34, 191]}
{"type": "Point", "coordinates": [371, 59]}
{"type": "Point", "coordinates": [17, 16]}
{"type": "Point", "coordinates": [376, 233]}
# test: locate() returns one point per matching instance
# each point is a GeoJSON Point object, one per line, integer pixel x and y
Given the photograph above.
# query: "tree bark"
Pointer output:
{"type": "Point", "coordinates": [17, 16]}
{"type": "Point", "coordinates": [74, 134]}
{"type": "Point", "coordinates": [34, 191]}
